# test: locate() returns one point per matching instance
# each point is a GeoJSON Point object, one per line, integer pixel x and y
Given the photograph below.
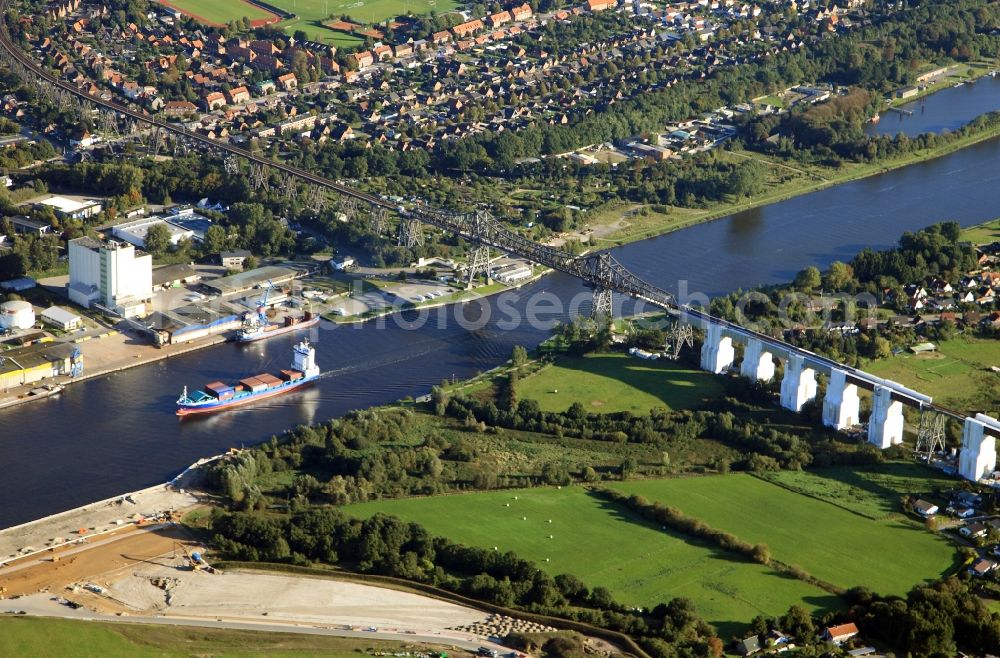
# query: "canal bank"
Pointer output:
{"type": "Point", "coordinates": [947, 110]}
{"type": "Point", "coordinates": [119, 432]}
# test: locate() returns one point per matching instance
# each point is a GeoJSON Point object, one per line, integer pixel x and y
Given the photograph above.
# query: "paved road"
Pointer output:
{"type": "Point", "coordinates": [40, 605]}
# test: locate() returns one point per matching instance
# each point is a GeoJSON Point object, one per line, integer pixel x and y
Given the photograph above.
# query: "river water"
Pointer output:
{"type": "Point", "coordinates": [119, 433]}
{"type": "Point", "coordinates": [948, 109]}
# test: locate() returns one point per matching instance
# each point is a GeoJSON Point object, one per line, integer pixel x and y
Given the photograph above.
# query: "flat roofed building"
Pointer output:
{"type": "Point", "coordinates": [27, 365]}
{"type": "Point", "coordinates": [252, 279]}
{"type": "Point", "coordinates": [111, 274]}
{"type": "Point", "coordinates": [72, 208]}
{"type": "Point", "coordinates": [135, 232]}
{"type": "Point", "coordinates": [61, 318]}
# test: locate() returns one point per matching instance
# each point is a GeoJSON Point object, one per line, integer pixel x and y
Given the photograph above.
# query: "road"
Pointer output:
{"type": "Point", "coordinates": [40, 605]}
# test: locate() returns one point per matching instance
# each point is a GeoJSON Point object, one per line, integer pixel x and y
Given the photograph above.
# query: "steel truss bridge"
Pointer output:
{"type": "Point", "coordinates": [599, 270]}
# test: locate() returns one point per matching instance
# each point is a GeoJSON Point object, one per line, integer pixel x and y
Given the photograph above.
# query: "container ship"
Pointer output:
{"type": "Point", "coordinates": [217, 396]}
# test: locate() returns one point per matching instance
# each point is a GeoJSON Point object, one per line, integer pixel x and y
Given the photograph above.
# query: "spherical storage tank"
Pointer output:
{"type": "Point", "coordinates": [16, 315]}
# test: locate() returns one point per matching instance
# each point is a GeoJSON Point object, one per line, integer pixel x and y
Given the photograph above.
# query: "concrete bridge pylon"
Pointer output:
{"type": "Point", "coordinates": [798, 386]}
{"type": "Point", "coordinates": [841, 405]}
{"type": "Point", "coordinates": [885, 427]}
{"type": "Point", "coordinates": [717, 352]}
{"type": "Point", "coordinates": [758, 363]}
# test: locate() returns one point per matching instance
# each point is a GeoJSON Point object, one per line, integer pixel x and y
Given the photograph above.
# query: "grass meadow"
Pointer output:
{"type": "Point", "coordinates": [956, 375]}
{"type": "Point", "coordinates": [618, 382]}
{"type": "Point", "coordinates": [605, 545]}
{"type": "Point", "coordinates": [52, 638]}
{"type": "Point", "coordinates": [838, 546]}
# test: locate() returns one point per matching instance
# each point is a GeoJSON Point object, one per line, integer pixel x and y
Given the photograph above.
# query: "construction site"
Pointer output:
{"type": "Point", "coordinates": [131, 559]}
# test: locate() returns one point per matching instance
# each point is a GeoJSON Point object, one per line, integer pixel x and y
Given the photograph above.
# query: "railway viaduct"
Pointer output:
{"type": "Point", "coordinates": [841, 402]}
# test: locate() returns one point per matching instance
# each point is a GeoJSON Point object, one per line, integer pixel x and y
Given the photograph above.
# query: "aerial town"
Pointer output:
{"type": "Point", "coordinates": [537, 328]}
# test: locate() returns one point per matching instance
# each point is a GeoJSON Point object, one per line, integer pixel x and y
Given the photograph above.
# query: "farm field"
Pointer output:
{"type": "Point", "coordinates": [835, 545]}
{"type": "Point", "coordinates": [618, 382]}
{"type": "Point", "coordinates": [313, 13]}
{"type": "Point", "coordinates": [42, 637]}
{"type": "Point", "coordinates": [872, 491]}
{"type": "Point", "coordinates": [956, 374]}
{"type": "Point", "coordinates": [220, 12]}
{"type": "Point", "coordinates": [605, 545]}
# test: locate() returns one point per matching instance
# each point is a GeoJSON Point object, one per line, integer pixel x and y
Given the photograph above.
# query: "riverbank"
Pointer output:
{"type": "Point", "coordinates": [633, 227]}
{"type": "Point", "coordinates": [459, 297]}
{"type": "Point", "coordinates": [103, 356]}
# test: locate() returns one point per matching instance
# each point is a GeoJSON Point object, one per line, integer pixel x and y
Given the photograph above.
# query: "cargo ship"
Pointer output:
{"type": "Point", "coordinates": [258, 328]}
{"type": "Point", "coordinates": [218, 396]}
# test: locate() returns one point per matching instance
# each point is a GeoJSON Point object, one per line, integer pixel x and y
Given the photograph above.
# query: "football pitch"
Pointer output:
{"type": "Point", "coordinates": [219, 12]}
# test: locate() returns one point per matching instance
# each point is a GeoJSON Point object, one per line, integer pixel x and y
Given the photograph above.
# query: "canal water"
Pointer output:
{"type": "Point", "coordinates": [119, 433]}
{"type": "Point", "coordinates": [948, 109]}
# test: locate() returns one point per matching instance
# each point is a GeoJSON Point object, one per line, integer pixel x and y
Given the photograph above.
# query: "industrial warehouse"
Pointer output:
{"type": "Point", "coordinates": [27, 365]}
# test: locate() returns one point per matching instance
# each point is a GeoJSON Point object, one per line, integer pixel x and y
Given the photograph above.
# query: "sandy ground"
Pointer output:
{"type": "Point", "coordinates": [246, 594]}
{"type": "Point", "coordinates": [97, 518]}
{"type": "Point", "coordinates": [99, 561]}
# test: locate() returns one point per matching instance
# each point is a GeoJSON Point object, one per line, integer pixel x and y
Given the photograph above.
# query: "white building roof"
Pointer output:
{"type": "Point", "coordinates": [65, 205]}
{"type": "Point", "coordinates": [59, 315]}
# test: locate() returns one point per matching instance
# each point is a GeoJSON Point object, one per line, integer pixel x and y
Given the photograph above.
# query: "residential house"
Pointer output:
{"type": "Point", "coordinates": [973, 530]}
{"type": "Point", "coordinates": [468, 28]}
{"type": "Point", "coordinates": [982, 566]}
{"type": "Point", "coordinates": [840, 634]}
{"type": "Point", "coordinates": [925, 509]}
{"type": "Point", "coordinates": [748, 646]}
{"type": "Point", "coordinates": [501, 18]}
{"type": "Point", "coordinates": [600, 5]}
{"type": "Point", "coordinates": [521, 13]}
{"type": "Point", "coordinates": [214, 100]}
{"type": "Point", "coordinates": [179, 108]}
{"type": "Point", "coordinates": [364, 58]}
{"type": "Point", "coordinates": [288, 81]}
{"type": "Point", "coordinates": [238, 95]}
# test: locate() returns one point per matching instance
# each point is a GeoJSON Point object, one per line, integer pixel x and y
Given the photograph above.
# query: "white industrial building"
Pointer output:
{"type": "Point", "coordinates": [134, 232]}
{"type": "Point", "coordinates": [110, 274]}
{"type": "Point", "coordinates": [72, 208]}
{"type": "Point", "coordinates": [61, 318]}
{"type": "Point", "coordinates": [15, 315]}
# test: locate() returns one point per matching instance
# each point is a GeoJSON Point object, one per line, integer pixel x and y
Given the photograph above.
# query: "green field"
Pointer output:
{"type": "Point", "coordinates": [312, 14]}
{"type": "Point", "coordinates": [871, 491]}
{"type": "Point", "coordinates": [618, 382]}
{"type": "Point", "coordinates": [220, 12]}
{"type": "Point", "coordinates": [608, 546]}
{"type": "Point", "coordinates": [956, 374]}
{"type": "Point", "coordinates": [57, 638]}
{"type": "Point", "coordinates": [833, 544]}
{"type": "Point", "coordinates": [985, 233]}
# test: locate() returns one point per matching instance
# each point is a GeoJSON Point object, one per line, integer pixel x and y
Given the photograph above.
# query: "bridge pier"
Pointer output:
{"type": "Point", "coordinates": [979, 450]}
{"type": "Point", "coordinates": [758, 364]}
{"type": "Point", "coordinates": [717, 353]}
{"type": "Point", "coordinates": [841, 406]}
{"type": "Point", "coordinates": [885, 427]}
{"type": "Point", "coordinates": [798, 386]}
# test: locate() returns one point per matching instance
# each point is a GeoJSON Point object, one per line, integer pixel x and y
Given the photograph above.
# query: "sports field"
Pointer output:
{"type": "Point", "coordinates": [312, 14]}
{"type": "Point", "coordinates": [831, 543]}
{"type": "Point", "coordinates": [618, 382]}
{"type": "Point", "coordinates": [957, 374]}
{"type": "Point", "coordinates": [220, 12]}
{"type": "Point", "coordinates": [606, 545]}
